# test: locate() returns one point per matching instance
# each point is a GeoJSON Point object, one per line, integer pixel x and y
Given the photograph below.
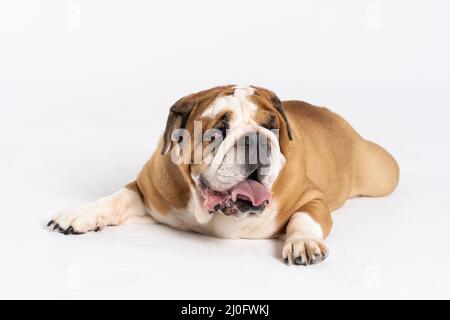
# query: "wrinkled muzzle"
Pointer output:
{"type": "Point", "coordinates": [246, 164]}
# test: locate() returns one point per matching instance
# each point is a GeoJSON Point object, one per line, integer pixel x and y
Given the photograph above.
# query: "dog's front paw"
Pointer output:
{"type": "Point", "coordinates": [304, 250]}
{"type": "Point", "coordinates": [76, 221]}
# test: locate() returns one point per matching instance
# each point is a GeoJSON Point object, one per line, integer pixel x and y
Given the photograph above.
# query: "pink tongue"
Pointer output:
{"type": "Point", "coordinates": [250, 190]}
{"type": "Point", "coordinates": [213, 198]}
{"type": "Point", "coordinates": [256, 192]}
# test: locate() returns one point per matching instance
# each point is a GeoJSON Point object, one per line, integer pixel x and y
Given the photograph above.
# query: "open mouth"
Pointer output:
{"type": "Point", "coordinates": [249, 195]}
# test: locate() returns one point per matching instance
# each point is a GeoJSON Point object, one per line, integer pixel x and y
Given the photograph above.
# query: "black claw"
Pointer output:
{"type": "Point", "coordinates": [299, 261]}
{"type": "Point", "coordinates": [97, 229]}
{"type": "Point", "coordinates": [316, 258]}
{"type": "Point", "coordinates": [286, 261]}
{"type": "Point", "coordinates": [68, 231]}
{"type": "Point", "coordinates": [56, 226]}
{"type": "Point", "coordinates": [50, 223]}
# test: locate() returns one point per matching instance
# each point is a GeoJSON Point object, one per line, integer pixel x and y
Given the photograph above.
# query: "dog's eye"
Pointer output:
{"type": "Point", "coordinates": [223, 126]}
{"type": "Point", "coordinates": [223, 131]}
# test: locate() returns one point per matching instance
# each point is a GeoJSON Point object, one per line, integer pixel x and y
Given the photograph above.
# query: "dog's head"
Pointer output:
{"type": "Point", "coordinates": [227, 141]}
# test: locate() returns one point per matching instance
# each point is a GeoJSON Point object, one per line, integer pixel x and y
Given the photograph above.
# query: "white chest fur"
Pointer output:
{"type": "Point", "coordinates": [262, 226]}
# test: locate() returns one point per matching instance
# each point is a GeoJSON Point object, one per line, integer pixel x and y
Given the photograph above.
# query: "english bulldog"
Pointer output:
{"type": "Point", "coordinates": [236, 162]}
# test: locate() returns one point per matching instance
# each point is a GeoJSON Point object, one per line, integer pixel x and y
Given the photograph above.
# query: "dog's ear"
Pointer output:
{"type": "Point", "coordinates": [276, 102]}
{"type": "Point", "coordinates": [178, 116]}
{"type": "Point", "coordinates": [279, 106]}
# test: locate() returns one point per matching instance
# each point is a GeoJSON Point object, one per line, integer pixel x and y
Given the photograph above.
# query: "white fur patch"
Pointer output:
{"type": "Point", "coordinates": [218, 225]}
{"type": "Point", "coordinates": [124, 206]}
{"type": "Point", "coordinates": [243, 109]}
{"type": "Point", "coordinates": [302, 224]}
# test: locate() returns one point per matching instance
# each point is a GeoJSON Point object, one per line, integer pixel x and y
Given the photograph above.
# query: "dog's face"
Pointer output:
{"type": "Point", "coordinates": [227, 141]}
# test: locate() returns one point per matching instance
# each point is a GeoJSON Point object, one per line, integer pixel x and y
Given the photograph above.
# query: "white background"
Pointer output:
{"type": "Point", "coordinates": [85, 88]}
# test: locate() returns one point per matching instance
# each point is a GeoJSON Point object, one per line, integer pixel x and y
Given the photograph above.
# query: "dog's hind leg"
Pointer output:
{"type": "Point", "coordinates": [124, 206]}
{"type": "Point", "coordinates": [376, 173]}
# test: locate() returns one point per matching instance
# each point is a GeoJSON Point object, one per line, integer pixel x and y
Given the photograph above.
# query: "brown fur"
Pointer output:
{"type": "Point", "coordinates": [163, 184]}
{"type": "Point", "coordinates": [327, 162]}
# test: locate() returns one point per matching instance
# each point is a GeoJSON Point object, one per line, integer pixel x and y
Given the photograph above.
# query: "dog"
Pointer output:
{"type": "Point", "coordinates": [236, 162]}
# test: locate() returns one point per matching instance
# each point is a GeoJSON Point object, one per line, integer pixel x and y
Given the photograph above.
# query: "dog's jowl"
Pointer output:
{"type": "Point", "coordinates": [236, 162]}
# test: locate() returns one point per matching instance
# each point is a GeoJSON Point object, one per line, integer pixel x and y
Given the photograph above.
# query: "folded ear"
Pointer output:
{"type": "Point", "coordinates": [178, 116]}
{"type": "Point", "coordinates": [276, 102]}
